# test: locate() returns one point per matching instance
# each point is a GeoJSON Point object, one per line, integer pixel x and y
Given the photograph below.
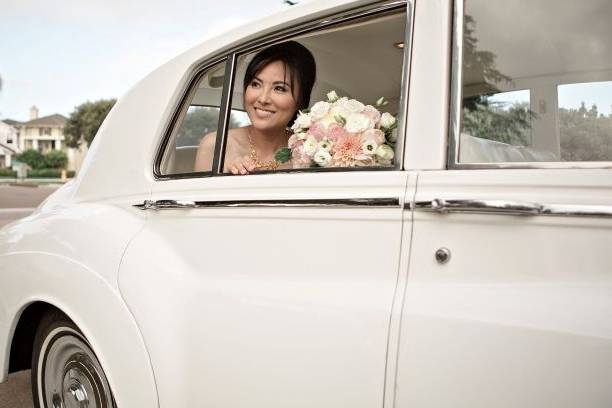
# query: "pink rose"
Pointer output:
{"type": "Point", "coordinates": [294, 140]}
{"type": "Point", "coordinates": [318, 131]}
{"type": "Point", "coordinates": [372, 113]}
{"type": "Point", "coordinates": [335, 131]}
{"type": "Point", "coordinates": [374, 135]}
{"type": "Point", "coordinates": [298, 158]}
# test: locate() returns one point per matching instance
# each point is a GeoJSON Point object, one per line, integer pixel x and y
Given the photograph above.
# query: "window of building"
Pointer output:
{"type": "Point", "coordinates": [536, 86]}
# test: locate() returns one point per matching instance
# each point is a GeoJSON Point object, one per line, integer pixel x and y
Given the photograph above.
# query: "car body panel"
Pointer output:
{"type": "Point", "coordinates": [258, 315]}
{"type": "Point", "coordinates": [521, 314]}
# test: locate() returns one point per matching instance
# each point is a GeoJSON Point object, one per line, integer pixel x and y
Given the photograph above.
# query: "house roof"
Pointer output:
{"type": "Point", "coordinates": [55, 120]}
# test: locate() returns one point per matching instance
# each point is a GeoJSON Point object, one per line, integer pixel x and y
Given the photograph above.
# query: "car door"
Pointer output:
{"type": "Point", "coordinates": [272, 289]}
{"type": "Point", "coordinates": [508, 299]}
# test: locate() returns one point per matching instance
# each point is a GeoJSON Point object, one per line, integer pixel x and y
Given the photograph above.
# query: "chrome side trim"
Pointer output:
{"type": "Point", "coordinates": [391, 202]}
{"type": "Point", "coordinates": [503, 207]}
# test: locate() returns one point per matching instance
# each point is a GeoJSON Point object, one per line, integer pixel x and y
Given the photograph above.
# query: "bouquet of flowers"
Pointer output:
{"type": "Point", "coordinates": [341, 132]}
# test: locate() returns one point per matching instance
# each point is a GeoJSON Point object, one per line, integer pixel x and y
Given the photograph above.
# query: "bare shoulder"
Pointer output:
{"type": "Point", "coordinates": [208, 141]}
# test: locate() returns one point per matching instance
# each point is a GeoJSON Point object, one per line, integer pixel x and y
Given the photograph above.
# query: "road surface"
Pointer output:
{"type": "Point", "coordinates": [17, 202]}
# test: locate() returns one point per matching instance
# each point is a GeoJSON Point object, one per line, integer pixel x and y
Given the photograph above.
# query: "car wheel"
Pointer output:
{"type": "Point", "coordinates": [65, 371]}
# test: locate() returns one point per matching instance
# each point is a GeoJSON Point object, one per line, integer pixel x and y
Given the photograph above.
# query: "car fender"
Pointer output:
{"type": "Point", "coordinates": [95, 307]}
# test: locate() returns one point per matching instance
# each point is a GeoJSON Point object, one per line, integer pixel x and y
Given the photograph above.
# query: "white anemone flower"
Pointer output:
{"type": "Point", "coordinates": [322, 157]}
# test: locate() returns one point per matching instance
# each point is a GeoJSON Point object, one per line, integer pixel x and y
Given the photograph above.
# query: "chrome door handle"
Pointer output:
{"type": "Point", "coordinates": [480, 206]}
{"type": "Point", "coordinates": [165, 204]}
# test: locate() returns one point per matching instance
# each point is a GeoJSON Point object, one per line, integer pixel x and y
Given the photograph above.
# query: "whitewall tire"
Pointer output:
{"type": "Point", "coordinates": [65, 371]}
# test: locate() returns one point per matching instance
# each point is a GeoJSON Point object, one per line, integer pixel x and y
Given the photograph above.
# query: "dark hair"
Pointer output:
{"type": "Point", "coordinates": [298, 61]}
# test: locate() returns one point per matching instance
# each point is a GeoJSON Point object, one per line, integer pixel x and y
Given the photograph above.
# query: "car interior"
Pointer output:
{"type": "Point", "coordinates": [519, 52]}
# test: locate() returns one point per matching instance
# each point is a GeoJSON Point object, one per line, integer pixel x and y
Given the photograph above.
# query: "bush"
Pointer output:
{"type": "Point", "coordinates": [55, 159]}
{"type": "Point", "coordinates": [8, 173]}
{"type": "Point", "coordinates": [45, 173]}
{"type": "Point", "coordinates": [32, 158]}
{"type": "Point", "coordinates": [49, 173]}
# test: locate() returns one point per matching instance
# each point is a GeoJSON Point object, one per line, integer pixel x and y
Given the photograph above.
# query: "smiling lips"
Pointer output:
{"type": "Point", "coordinates": [263, 113]}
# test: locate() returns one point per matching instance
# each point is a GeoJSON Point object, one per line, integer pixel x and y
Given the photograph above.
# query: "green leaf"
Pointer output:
{"type": "Point", "coordinates": [283, 155]}
{"type": "Point", "coordinates": [340, 119]}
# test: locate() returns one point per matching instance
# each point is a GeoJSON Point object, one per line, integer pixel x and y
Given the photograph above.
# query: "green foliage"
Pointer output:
{"type": "Point", "coordinates": [8, 173]}
{"type": "Point", "coordinates": [585, 134]}
{"type": "Point", "coordinates": [200, 121]}
{"type": "Point", "coordinates": [33, 158]}
{"type": "Point", "coordinates": [283, 155]}
{"type": "Point", "coordinates": [45, 173]}
{"type": "Point", "coordinates": [85, 120]}
{"type": "Point", "coordinates": [477, 62]}
{"type": "Point", "coordinates": [500, 122]}
{"type": "Point", "coordinates": [49, 173]}
{"type": "Point", "coordinates": [55, 159]}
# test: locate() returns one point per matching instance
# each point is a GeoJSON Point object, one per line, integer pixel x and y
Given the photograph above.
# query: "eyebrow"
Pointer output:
{"type": "Point", "coordinates": [275, 83]}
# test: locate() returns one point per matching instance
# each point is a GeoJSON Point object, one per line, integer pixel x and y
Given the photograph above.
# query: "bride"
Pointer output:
{"type": "Point", "coordinates": [277, 84]}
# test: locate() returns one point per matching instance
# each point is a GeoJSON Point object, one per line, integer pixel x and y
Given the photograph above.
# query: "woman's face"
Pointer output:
{"type": "Point", "coordinates": [268, 99]}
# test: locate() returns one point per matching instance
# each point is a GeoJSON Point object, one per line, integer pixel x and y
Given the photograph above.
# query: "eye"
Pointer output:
{"type": "Point", "coordinates": [254, 84]}
{"type": "Point", "coordinates": [280, 88]}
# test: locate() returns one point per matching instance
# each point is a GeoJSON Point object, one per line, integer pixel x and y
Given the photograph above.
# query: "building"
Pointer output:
{"type": "Point", "coordinates": [43, 134]}
{"type": "Point", "coordinates": [8, 144]}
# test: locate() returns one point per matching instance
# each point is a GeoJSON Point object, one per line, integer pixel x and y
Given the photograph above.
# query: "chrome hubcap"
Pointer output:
{"type": "Point", "coordinates": [70, 375]}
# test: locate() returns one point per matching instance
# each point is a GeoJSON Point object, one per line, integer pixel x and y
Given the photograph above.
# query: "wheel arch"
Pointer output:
{"type": "Point", "coordinates": [22, 341]}
{"type": "Point", "coordinates": [35, 283]}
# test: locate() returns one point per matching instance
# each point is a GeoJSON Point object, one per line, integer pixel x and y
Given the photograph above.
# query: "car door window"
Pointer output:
{"type": "Point", "coordinates": [196, 124]}
{"type": "Point", "coordinates": [536, 85]}
{"type": "Point", "coordinates": [356, 99]}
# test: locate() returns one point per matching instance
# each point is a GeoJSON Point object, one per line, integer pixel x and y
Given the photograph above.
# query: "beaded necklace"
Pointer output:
{"type": "Point", "coordinates": [261, 164]}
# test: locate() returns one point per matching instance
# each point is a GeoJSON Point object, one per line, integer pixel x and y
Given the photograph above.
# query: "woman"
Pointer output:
{"type": "Point", "coordinates": [277, 84]}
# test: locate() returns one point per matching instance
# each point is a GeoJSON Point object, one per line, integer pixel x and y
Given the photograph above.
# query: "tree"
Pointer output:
{"type": "Point", "coordinates": [85, 120]}
{"type": "Point", "coordinates": [55, 159]}
{"type": "Point", "coordinates": [32, 158]}
{"type": "Point", "coordinates": [199, 121]}
{"type": "Point", "coordinates": [505, 123]}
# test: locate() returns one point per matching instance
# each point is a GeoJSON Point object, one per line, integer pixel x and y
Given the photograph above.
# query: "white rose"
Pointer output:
{"type": "Point", "coordinates": [319, 110]}
{"type": "Point", "coordinates": [369, 147]}
{"type": "Point", "coordinates": [357, 123]}
{"type": "Point", "coordinates": [310, 146]}
{"type": "Point", "coordinates": [349, 106]}
{"type": "Point", "coordinates": [387, 120]}
{"type": "Point", "coordinates": [301, 135]}
{"type": "Point", "coordinates": [322, 157]}
{"type": "Point", "coordinates": [384, 154]}
{"type": "Point", "coordinates": [339, 108]}
{"type": "Point", "coordinates": [332, 96]}
{"type": "Point", "coordinates": [325, 145]}
{"type": "Point", "coordinates": [303, 121]}
{"type": "Point", "coordinates": [354, 106]}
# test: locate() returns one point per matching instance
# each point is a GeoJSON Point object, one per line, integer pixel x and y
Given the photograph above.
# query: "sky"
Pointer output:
{"type": "Point", "coordinates": [58, 54]}
{"type": "Point", "coordinates": [569, 96]}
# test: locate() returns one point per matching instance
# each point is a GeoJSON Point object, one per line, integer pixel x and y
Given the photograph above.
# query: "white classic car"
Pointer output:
{"type": "Point", "coordinates": [475, 271]}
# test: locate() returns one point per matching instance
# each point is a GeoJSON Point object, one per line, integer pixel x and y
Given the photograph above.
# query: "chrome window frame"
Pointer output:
{"type": "Point", "coordinates": [231, 56]}
{"type": "Point", "coordinates": [455, 114]}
